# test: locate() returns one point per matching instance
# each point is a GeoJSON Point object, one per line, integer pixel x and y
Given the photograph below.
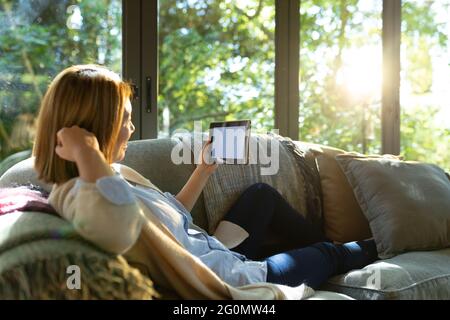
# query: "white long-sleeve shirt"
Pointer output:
{"type": "Point", "coordinates": [118, 230]}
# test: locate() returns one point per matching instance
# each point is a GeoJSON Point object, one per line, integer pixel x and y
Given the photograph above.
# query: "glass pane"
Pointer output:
{"type": "Point", "coordinates": [425, 78]}
{"type": "Point", "coordinates": [340, 73]}
{"type": "Point", "coordinates": [216, 62]}
{"type": "Point", "coordinates": [37, 40]}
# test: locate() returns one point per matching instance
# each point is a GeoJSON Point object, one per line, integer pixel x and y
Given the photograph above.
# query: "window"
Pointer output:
{"type": "Point", "coordinates": [216, 62]}
{"type": "Point", "coordinates": [340, 74]}
{"type": "Point", "coordinates": [37, 40]}
{"type": "Point", "coordinates": [425, 77]}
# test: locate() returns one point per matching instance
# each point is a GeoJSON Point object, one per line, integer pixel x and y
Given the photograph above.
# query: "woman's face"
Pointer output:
{"type": "Point", "coordinates": [126, 130]}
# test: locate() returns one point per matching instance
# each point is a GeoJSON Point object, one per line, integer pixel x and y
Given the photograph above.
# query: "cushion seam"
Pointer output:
{"type": "Point", "coordinates": [417, 284]}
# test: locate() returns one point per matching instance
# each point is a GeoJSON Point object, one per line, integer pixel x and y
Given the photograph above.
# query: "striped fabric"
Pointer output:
{"type": "Point", "coordinates": [292, 179]}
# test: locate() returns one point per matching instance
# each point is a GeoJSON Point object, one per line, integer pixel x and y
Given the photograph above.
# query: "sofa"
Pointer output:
{"type": "Point", "coordinates": [36, 248]}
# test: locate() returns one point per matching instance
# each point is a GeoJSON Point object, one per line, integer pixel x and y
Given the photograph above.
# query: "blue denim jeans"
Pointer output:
{"type": "Point", "coordinates": [311, 259]}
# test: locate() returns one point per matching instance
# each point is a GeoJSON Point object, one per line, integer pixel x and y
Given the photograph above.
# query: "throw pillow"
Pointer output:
{"type": "Point", "coordinates": [406, 203]}
{"type": "Point", "coordinates": [343, 218]}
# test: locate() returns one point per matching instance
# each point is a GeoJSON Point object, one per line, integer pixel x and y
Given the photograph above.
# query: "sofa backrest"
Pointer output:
{"type": "Point", "coordinates": [22, 173]}
{"type": "Point", "coordinates": [149, 157]}
{"type": "Point", "coordinates": [152, 159]}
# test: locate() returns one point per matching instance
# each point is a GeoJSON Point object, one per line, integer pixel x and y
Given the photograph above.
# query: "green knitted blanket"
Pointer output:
{"type": "Point", "coordinates": [42, 257]}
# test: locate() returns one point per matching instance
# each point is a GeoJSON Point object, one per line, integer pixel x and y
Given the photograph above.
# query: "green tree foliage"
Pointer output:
{"type": "Point", "coordinates": [424, 136]}
{"type": "Point", "coordinates": [37, 40]}
{"type": "Point", "coordinates": [330, 113]}
{"type": "Point", "coordinates": [217, 62]}
{"type": "Point", "coordinates": [333, 115]}
{"type": "Point", "coordinates": [422, 140]}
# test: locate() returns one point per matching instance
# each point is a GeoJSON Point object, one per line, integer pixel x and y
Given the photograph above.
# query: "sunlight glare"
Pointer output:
{"type": "Point", "coordinates": [361, 73]}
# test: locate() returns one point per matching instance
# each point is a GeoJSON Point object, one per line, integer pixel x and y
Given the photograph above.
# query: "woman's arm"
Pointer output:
{"type": "Point", "coordinates": [100, 205]}
{"type": "Point", "coordinates": [111, 220]}
{"type": "Point", "coordinates": [193, 188]}
{"type": "Point", "coordinates": [81, 146]}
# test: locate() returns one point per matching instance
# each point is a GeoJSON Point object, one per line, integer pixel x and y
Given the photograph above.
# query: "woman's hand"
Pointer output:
{"type": "Point", "coordinates": [193, 188]}
{"type": "Point", "coordinates": [206, 165]}
{"type": "Point", "coordinates": [75, 141]}
{"type": "Point", "coordinates": [81, 146]}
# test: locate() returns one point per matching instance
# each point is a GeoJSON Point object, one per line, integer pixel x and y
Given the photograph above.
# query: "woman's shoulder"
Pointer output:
{"type": "Point", "coordinates": [59, 193]}
{"type": "Point", "coordinates": [68, 185]}
{"type": "Point", "coordinates": [133, 176]}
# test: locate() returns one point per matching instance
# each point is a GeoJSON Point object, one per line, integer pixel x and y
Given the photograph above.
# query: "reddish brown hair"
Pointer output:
{"type": "Point", "coordinates": [89, 96]}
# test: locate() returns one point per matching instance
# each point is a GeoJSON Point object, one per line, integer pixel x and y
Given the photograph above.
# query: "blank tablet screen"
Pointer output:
{"type": "Point", "coordinates": [230, 140]}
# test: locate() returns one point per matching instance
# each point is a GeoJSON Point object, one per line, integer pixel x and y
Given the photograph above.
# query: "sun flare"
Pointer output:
{"type": "Point", "coordinates": [361, 73]}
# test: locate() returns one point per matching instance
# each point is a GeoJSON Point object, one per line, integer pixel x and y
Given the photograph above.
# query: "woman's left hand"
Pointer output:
{"type": "Point", "coordinates": [207, 165]}
{"type": "Point", "coordinates": [193, 188]}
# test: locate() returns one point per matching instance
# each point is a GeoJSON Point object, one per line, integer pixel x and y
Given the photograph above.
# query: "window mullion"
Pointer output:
{"type": "Point", "coordinates": [131, 28]}
{"type": "Point", "coordinates": [391, 77]}
{"type": "Point", "coordinates": [294, 68]}
{"type": "Point", "coordinates": [149, 69]}
{"type": "Point", "coordinates": [287, 67]}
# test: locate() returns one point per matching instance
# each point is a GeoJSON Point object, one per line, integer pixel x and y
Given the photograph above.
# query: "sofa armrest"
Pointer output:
{"type": "Point", "coordinates": [41, 257]}
{"type": "Point", "coordinates": [22, 173]}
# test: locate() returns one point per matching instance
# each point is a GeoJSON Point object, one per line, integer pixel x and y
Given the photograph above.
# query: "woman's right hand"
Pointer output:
{"type": "Point", "coordinates": [75, 141]}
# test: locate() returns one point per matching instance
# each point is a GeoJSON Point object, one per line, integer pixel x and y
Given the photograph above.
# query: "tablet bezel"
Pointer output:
{"type": "Point", "coordinates": [234, 123]}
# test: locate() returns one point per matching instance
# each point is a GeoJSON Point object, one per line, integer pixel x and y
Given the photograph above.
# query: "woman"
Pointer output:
{"type": "Point", "coordinates": [83, 129]}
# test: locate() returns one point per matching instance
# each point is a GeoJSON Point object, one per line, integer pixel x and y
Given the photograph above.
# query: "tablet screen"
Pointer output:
{"type": "Point", "coordinates": [230, 140]}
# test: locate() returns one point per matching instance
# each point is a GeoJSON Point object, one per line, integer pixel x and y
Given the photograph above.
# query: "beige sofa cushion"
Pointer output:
{"type": "Point", "coordinates": [407, 203]}
{"type": "Point", "coordinates": [343, 219]}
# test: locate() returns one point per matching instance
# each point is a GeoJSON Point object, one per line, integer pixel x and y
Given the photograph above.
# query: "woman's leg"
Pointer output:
{"type": "Point", "coordinates": [261, 208]}
{"type": "Point", "coordinates": [313, 265]}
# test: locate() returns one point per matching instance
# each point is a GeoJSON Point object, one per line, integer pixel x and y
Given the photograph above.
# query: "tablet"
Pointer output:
{"type": "Point", "coordinates": [230, 141]}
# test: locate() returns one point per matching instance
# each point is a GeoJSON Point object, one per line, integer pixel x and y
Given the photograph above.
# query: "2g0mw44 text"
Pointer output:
{"type": "Point", "coordinates": [227, 309]}
{"type": "Point", "coordinates": [237, 309]}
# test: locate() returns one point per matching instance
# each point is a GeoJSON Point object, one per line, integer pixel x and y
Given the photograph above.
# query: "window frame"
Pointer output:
{"type": "Point", "coordinates": [140, 65]}
{"type": "Point", "coordinates": [287, 67]}
{"type": "Point", "coordinates": [390, 106]}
